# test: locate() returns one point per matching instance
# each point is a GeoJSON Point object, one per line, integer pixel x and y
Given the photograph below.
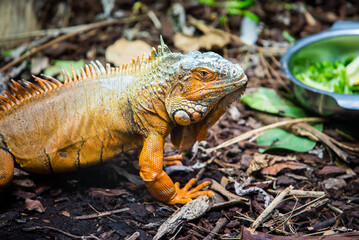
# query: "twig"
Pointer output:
{"type": "Point", "coordinates": [270, 208]}
{"type": "Point", "coordinates": [335, 209]}
{"type": "Point", "coordinates": [68, 35]}
{"type": "Point", "coordinates": [261, 130]}
{"type": "Point", "coordinates": [230, 196]}
{"type": "Point", "coordinates": [244, 217]}
{"type": "Point", "coordinates": [202, 228]}
{"type": "Point", "coordinates": [101, 214]}
{"type": "Point", "coordinates": [275, 73]}
{"type": "Point", "coordinates": [230, 203]}
{"type": "Point", "coordinates": [43, 32]}
{"type": "Point", "coordinates": [266, 70]}
{"type": "Point", "coordinates": [61, 231]}
{"type": "Point", "coordinates": [329, 141]}
{"type": "Point", "coordinates": [306, 207]}
{"type": "Point", "coordinates": [221, 223]}
{"type": "Point", "coordinates": [302, 193]}
{"type": "Point", "coordinates": [275, 61]}
{"type": "Point", "coordinates": [324, 138]}
{"type": "Point", "coordinates": [288, 218]}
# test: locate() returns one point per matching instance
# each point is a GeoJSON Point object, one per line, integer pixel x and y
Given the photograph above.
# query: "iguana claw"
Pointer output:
{"type": "Point", "coordinates": [185, 195]}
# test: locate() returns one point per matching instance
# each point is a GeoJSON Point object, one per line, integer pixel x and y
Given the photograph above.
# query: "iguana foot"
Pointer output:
{"type": "Point", "coordinates": [185, 195]}
{"type": "Point", "coordinates": [173, 160]}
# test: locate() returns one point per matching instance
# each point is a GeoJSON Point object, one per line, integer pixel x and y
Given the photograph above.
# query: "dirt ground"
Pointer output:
{"type": "Point", "coordinates": [46, 207]}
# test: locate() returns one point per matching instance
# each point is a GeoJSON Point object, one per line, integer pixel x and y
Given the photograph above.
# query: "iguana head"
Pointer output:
{"type": "Point", "coordinates": [201, 82]}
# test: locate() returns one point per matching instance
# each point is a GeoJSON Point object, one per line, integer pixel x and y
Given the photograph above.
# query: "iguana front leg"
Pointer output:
{"type": "Point", "coordinates": [158, 183]}
{"type": "Point", "coordinates": [6, 168]}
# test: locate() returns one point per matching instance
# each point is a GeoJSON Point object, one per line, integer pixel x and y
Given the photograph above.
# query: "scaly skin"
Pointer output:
{"type": "Point", "coordinates": [52, 127]}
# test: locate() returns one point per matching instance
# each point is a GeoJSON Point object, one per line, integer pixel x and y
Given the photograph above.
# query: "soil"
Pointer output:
{"type": "Point", "coordinates": [45, 207]}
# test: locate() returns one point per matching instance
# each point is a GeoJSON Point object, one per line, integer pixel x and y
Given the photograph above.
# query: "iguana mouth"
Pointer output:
{"type": "Point", "coordinates": [234, 95]}
{"type": "Point", "coordinates": [228, 84]}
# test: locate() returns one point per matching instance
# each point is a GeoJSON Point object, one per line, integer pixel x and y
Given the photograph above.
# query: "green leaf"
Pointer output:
{"type": "Point", "coordinates": [223, 19]}
{"type": "Point", "coordinates": [288, 37]}
{"type": "Point", "coordinates": [63, 64]}
{"type": "Point", "coordinates": [207, 2]}
{"type": "Point", "coordinates": [251, 15]}
{"type": "Point", "coordinates": [6, 53]}
{"type": "Point", "coordinates": [267, 100]}
{"type": "Point", "coordinates": [279, 139]}
{"type": "Point", "coordinates": [239, 4]}
{"type": "Point", "coordinates": [234, 11]}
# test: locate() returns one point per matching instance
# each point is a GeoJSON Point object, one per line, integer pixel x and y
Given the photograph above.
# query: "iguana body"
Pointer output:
{"type": "Point", "coordinates": [99, 113]}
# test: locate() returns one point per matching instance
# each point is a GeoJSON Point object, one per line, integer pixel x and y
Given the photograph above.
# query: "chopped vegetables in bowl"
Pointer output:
{"type": "Point", "coordinates": [329, 84]}
{"type": "Point", "coordinates": [340, 76]}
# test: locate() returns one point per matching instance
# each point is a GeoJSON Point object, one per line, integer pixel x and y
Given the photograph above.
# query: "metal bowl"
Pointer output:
{"type": "Point", "coordinates": [340, 41]}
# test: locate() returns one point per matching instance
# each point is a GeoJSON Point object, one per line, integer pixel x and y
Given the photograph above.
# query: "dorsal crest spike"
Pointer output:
{"type": "Point", "coordinates": [93, 71]}
{"type": "Point", "coordinates": [36, 88]}
{"type": "Point", "coordinates": [78, 74]}
{"type": "Point", "coordinates": [68, 75]}
{"type": "Point", "coordinates": [26, 90]}
{"type": "Point", "coordinates": [20, 89]}
{"type": "Point", "coordinates": [11, 97]}
{"type": "Point", "coordinates": [52, 80]}
{"type": "Point", "coordinates": [88, 72]}
{"type": "Point", "coordinates": [64, 77]}
{"type": "Point", "coordinates": [108, 68]}
{"type": "Point", "coordinates": [74, 76]}
{"type": "Point", "coordinates": [163, 47]}
{"type": "Point", "coordinates": [41, 83]}
{"type": "Point", "coordinates": [96, 68]}
{"type": "Point", "coordinates": [7, 100]}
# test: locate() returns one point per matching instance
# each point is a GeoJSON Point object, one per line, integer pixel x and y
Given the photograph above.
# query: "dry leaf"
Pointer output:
{"type": "Point", "coordinates": [212, 39]}
{"type": "Point", "coordinates": [261, 161]}
{"type": "Point", "coordinates": [276, 168]}
{"type": "Point", "coordinates": [34, 205]}
{"type": "Point", "coordinates": [258, 162]}
{"type": "Point", "coordinates": [123, 51]}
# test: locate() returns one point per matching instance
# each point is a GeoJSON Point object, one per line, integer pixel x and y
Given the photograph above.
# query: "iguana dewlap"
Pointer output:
{"type": "Point", "coordinates": [51, 127]}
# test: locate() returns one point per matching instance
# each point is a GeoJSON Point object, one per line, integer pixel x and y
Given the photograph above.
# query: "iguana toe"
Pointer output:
{"type": "Point", "coordinates": [185, 195]}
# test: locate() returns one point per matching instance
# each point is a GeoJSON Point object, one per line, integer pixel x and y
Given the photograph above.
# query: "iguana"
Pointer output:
{"type": "Point", "coordinates": [97, 113]}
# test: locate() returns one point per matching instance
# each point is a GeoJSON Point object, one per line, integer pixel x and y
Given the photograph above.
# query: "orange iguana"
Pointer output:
{"type": "Point", "coordinates": [51, 127]}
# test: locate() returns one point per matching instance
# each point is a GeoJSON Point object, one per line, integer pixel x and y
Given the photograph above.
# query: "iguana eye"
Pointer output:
{"type": "Point", "coordinates": [203, 73]}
